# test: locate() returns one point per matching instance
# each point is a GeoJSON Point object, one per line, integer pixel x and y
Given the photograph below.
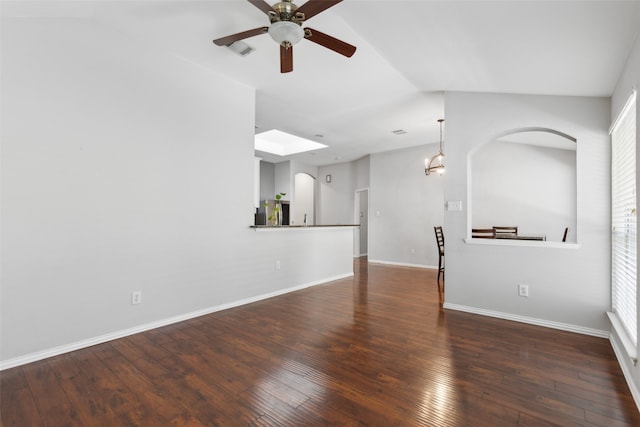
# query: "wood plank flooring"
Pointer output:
{"type": "Point", "coordinates": [375, 350]}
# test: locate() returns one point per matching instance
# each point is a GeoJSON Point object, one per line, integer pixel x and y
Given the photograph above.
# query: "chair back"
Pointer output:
{"type": "Point", "coordinates": [483, 233]}
{"type": "Point", "coordinates": [506, 230]}
{"type": "Point", "coordinates": [439, 239]}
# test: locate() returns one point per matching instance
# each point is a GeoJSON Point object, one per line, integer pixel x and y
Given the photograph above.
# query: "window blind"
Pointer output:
{"type": "Point", "coordinates": [623, 218]}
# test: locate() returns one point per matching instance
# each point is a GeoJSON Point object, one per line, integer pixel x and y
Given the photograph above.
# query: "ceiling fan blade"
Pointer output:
{"type": "Point", "coordinates": [313, 7]}
{"type": "Point", "coordinates": [329, 42]}
{"type": "Point", "coordinates": [262, 5]}
{"type": "Point", "coordinates": [286, 59]}
{"type": "Point", "coordinates": [226, 41]}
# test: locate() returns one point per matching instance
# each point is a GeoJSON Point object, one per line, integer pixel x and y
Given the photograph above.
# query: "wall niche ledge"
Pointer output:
{"type": "Point", "coordinates": [522, 243]}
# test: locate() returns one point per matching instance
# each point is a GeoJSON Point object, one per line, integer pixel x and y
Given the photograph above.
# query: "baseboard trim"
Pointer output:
{"type": "Point", "coordinates": [404, 264]}
{"type": "Point", "coordinates": [530, 320]}
{"type": "Point", "coordinates": [621, 355]}
{"type": "Point", "coordinates": [56, 351]}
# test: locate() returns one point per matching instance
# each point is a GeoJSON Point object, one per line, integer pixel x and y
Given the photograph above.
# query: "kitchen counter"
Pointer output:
{"type": "Point", "coordinates": [288, 227]}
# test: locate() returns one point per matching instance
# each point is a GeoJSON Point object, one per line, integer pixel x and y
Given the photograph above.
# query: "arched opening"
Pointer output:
{"type": "Point", "coordinates": [305, 196]}
{"type": "Point", "coordinates": [526, 178]}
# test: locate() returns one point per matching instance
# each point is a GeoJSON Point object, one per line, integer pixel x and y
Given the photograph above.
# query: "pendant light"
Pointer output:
{"type": "Point", "coordinates": [435, 163]}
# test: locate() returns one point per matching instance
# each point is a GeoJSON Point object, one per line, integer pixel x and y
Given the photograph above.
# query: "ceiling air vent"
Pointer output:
{"type": "Point", "coordinates": [241, 48]}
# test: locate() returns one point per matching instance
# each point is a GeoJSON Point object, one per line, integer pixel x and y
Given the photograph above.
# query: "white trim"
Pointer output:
{"type": "Point", "coordinates": [356, 220]}
{"type": "Point", "coordinates": [628, 375]}
{"type": "Point", "coordinates": [622, 113]}
{"type": "Point", "coordinates": [523, 243]}
{"type": "Point", "coordinates": [529, 320]}
{"type": "Point", "coordinates": [629, 346]}
{"type": "Point", "coordinates": [404, 264]}
{"type": "Point", "coordinates": [55, 351]}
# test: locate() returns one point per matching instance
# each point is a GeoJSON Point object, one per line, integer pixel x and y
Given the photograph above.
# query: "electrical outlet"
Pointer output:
{"type": "Point", "coordinates": [523, 290]}
{"type": "Point", "coordinates": [277, 264]}
{"type": "Point", "coordinates": [136, 297]}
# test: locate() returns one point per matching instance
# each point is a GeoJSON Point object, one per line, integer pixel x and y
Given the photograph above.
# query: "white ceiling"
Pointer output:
{"type": "Point", "coordinates": [408, 54]}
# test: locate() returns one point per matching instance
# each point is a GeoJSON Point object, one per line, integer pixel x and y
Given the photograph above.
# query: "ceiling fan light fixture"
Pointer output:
{"type": "Point", "coordinates": [286, 20]}
{"type": "Point", "coordinates": [286, 31]}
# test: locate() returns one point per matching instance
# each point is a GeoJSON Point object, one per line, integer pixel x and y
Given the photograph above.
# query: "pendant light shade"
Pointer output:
{"type": "Point", "coordinates": [435, 164]}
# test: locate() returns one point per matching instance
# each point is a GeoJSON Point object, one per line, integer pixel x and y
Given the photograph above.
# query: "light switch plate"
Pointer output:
{"type": "Point", "coordinates": [454, 205]}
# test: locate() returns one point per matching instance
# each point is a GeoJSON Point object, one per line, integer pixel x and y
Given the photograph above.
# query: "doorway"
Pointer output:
{"type": "Point", "coordinates": [361, 216]}
{"type": "Point", "coordinates": [304, 207]}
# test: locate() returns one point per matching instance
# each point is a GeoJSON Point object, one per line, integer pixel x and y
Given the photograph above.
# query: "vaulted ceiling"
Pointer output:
{"type": "Point", "coordinates": [408, 54]}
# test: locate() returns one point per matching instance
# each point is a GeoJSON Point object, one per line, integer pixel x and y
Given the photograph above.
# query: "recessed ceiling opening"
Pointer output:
{"type": "Point", "coordinates": [283, 144]}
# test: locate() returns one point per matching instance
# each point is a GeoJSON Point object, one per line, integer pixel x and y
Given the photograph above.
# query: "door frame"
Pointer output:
{"type": "Point", "coordinates": [356, 220]}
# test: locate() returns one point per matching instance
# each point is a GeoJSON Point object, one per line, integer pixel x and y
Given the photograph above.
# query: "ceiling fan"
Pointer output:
{"type": "Point", "coordinates": [286, 29]}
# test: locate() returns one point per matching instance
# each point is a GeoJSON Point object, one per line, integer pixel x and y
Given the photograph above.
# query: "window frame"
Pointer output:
{"type": "Point", "coordinates": [624, 310]}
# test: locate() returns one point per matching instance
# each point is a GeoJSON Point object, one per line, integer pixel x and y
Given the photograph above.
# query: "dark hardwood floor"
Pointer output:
{"type": "Point", "coordinates": [375, 350]}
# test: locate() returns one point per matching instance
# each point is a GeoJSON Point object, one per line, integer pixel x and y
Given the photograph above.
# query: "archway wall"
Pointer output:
{"type": "Point", "coordinates": [569, 284]}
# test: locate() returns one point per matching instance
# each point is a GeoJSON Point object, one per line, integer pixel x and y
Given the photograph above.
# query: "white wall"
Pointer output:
{"type": "Point", "coordinates": [256, 182]}
{"type": "Point", "coordinates": [336, 198]}
{"type": "Point", "coordinates": [267, 180]}
{"type": "Point", "coordinates": [361, 205]}
{"type": "Point", "coordinates": [528, 186]}
{"type": "Point", "coordinates": [299, 167]}
{"type": "Point", "coordinates": [312, 171]}
{"type": "Point", "coordinates": [362, 172]}
{"type": "Point", "coordinates": [410, 204]}
{"type": "Point", "coordinates": [304, 202]}
{"type": "Point", "coordinates": [569, 286]}
{"type": "Point", "coordinates": [630, 79]}
{"type": "Point", "coordinates": [404, 206]}
{"type": "Point", "coordinates": [282, 180]}
{"type": "Point", "coordinates": [362, 218]}
{"type": "Point", "coordinates": [112, 181]}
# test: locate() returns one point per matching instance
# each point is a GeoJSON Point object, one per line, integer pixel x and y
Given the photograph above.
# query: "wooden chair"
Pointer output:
{"type": "Point", "coordinates": [483, 233]}
{"type": "Point", "coordinates": [564, 236]}
{"type": "Point", "coordinates": [440, 242]}
{"type": "Point", "coordinates": [506, 230]}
